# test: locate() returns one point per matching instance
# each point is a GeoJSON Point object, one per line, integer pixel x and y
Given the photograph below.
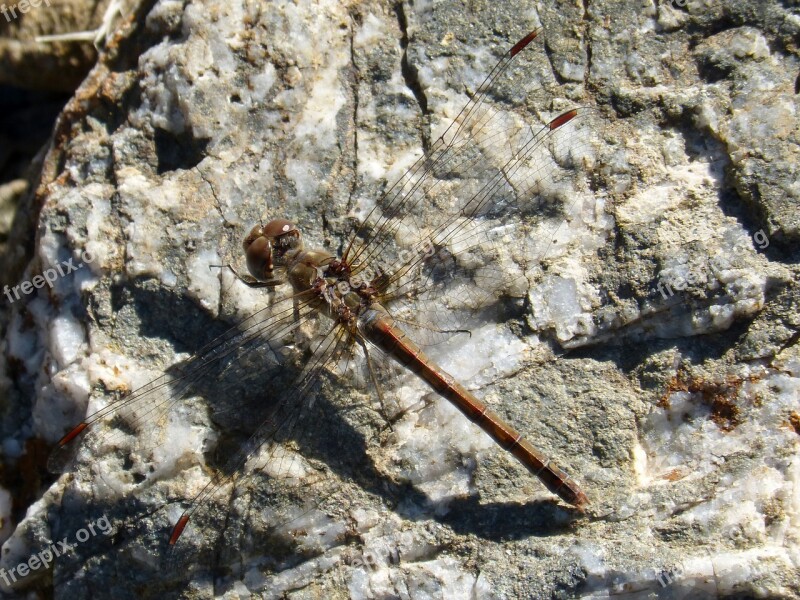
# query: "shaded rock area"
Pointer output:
{"type": "Point", "coordinates": [652, 348]}
{"type": "Point", "coordinates": [51, 66]}
{"type": "Point", "coordinates": [25, 129]}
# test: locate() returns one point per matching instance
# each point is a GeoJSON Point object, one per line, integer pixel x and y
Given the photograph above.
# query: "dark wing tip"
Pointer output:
{"type": "Point", "coordinates": [72, 434]}
{"type": "Point", "coordinates": [63, 454]}
{"type": "Point", "coordinates": [178, 529]}
{"type": "Point", "coordinates": [563, 118]}
{"type": "Point", "coordinates": [520, 45]}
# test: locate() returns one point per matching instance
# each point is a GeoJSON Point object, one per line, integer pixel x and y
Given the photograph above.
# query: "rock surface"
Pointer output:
{"type": "Point", "coordinates": [655, 353]}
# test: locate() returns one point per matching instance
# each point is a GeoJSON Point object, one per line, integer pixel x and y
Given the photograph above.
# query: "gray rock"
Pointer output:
{"type": "Point", "coordinates": [651, 347]}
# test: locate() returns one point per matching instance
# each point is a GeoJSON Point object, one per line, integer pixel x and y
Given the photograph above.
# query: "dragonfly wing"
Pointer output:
{"type": "Point", "coordinates": [473, 208]}
{"type": "Point", "coordinates": [287, 481]}
{"type": "Point", "coordinates": [149, 419]}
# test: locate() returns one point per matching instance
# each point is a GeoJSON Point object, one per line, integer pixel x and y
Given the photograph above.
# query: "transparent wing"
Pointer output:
{"type": "Point", "coordinates": [271, 501]}
{"type": "Point", "coordinates": [465, 207]}
{"type": "Point", "coordinates": [263, 398]}
{"type": "Point", "coordinates": [470, 258]}
{"type": "Point", "coordinates": [231, 360]}
{"type": "Point", "coordinates": [288, 478]}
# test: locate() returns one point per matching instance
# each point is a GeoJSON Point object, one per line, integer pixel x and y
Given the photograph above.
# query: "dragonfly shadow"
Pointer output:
{"type": "Point", "coordinates": [629, 346]}
{"type": "Point", "coordinates": [163, 313]}
{"type": "Point", "coordinates": [246, 387]}
{"type": "Point", "coordinates": [500, 521]}
{"type": "Point", "coordinates": [106, 535]}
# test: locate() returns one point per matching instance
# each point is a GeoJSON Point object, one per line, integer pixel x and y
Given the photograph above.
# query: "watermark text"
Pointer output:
{"type": "Point", "coordinates": [48, 276]}
{"type": "Point", "coordinates": [681, 283]}
{"type": "Point", "coordinates": [53, 551]}
{"type": "Point", "coordinates": [10, 12]}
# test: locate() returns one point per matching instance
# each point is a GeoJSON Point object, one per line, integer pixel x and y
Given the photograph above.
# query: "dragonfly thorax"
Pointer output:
{"type": "Point", "coordinates": [345, 298]}
{"type": "Point", "coordinates": [275, 255]}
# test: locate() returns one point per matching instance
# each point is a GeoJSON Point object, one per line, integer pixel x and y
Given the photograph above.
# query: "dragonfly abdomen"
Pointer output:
{"type": "Point", "coordinates": [380, 329]}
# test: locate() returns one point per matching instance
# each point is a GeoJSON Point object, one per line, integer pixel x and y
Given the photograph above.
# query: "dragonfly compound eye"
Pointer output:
{"type": "Point", "coordinates": [279, 227]}
{"type": "Point", "coordinates": [285, 236]}
{"type": "Point", "coordinates": [255, 233]}
{"type": "Point", "coordinates": [259, 258]}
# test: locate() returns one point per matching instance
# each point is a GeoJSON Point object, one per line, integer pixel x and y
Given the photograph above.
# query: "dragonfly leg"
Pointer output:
{"type": "Point", "coordinates": [374, 377]}
{"type": "Point", "coordinates": [247, 279]}
{"type": "Point", "coordinates": [298, 335]}
{"type": "Point", "coordinates": [413, 409]}
{"type": "Point", "coordinates": [419, 325]}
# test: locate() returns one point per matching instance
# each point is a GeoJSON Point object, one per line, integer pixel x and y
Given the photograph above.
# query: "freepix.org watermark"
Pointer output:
{"type": "Point", "coordinates": [407, 257]}
{"type": "Point", "coordinates": [54, 550]}
{"type": "Point", "coordinates": [680, 283]}
{"type": "Point", "coordinates": [10, 12]}
{"type": "Point", "coordinates": [48, 276]}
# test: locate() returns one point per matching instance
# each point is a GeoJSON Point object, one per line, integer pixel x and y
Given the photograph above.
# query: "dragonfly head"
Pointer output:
{"type": "Point", "coordinates": [266, 246]}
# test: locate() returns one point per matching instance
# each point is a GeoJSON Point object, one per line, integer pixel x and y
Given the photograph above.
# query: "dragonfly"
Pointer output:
{"type": "Point", "coordinates": [421, 266]}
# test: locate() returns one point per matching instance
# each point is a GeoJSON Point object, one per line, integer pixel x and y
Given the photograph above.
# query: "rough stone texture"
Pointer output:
{"type": "Point", "coordinates": [656, 354]}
